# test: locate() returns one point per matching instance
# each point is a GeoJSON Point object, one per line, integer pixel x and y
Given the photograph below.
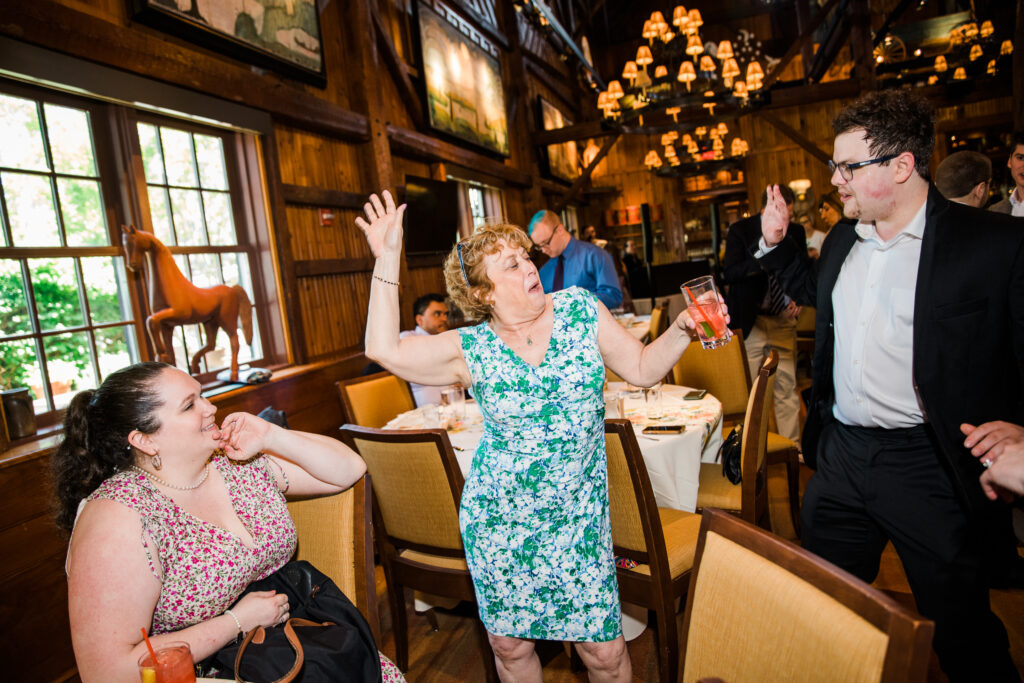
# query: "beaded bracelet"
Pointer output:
{"type": "Point", "coordinates": [237, 622]}
{"type": "Point", "coordinates": [387, 282]}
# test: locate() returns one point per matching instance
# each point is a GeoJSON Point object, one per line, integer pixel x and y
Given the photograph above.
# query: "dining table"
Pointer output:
{"type": "Point", "coordinates": [637, 325]}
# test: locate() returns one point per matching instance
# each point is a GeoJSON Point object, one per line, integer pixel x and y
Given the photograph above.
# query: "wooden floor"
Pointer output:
{"type": "Point", "coordinates": [451, 654]}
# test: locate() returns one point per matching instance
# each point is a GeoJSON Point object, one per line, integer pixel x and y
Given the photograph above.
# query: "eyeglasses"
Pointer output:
{"type": "Point", "coordinates": [846, 170]}
{"type": "Point", "coordinates": [462, 264]}
{"type": "Point", "coordinates": [545, 243]}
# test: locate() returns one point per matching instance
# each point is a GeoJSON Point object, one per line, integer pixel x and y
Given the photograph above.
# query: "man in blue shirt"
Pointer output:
{"type": "Point", "coordinates": [572, 262]}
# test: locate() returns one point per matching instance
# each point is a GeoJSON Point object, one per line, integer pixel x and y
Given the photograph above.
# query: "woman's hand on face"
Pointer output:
{"type": "Point", "coordinates": [261, 608]}
{"type": "Point", "coordinates": [243, 435]}
{"type": "Point", "coordinates": [383, 225]}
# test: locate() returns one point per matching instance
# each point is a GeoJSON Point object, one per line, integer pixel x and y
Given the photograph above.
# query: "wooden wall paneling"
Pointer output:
{"type": "Point", "coordinates": [400, 80]}
{"type": "Point", "coordinates": [366, 88]}
{"type": "Point", "coordinates": [333, 309]}
{"type": "Point", "coordinates": [402, 167]}
{"type": "Point", "coordinates": [313, 160]}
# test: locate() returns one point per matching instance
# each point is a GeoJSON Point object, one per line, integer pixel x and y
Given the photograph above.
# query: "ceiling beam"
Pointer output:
{"type": "Point", "coordinates": [579, 131]}
{"type": "Point", "coordinates": [399, 71]}
{"type": "Point", "coordinates": [584, 178]}
{"type": "Point", "coordinates": [798, 44]}
{"type": "Point", "coordinates": [796, 136]}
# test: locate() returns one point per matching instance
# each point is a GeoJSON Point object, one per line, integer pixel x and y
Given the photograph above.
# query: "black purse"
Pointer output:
{"type": "Point", "coordinates": [729, 455]}
{"type": "Point", "coordinates": [326, 638]}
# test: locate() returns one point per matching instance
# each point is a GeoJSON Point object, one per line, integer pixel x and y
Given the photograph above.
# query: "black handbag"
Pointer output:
{"type": "Point", "coordinates": [729, 455]}
{"type": "Point", "coordinates": [326, 638]}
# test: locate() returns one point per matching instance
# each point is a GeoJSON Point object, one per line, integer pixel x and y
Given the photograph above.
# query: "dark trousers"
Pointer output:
{"type": "Point", "coordinates": [875, 485]}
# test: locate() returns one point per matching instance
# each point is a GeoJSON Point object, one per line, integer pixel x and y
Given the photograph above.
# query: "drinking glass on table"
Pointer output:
{"type": "Point", "coordinates": [704, 305]}
{"type": "Point", "coordinates": [453, 401]}
{"type": "Point", "coordinates": [652, 402]}
{"type": "Point", "coordinates": [173, 665]}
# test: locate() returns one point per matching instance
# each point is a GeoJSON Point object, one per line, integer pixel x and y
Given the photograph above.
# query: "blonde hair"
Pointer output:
{"type": "Point", "coordinates": [466, 279]}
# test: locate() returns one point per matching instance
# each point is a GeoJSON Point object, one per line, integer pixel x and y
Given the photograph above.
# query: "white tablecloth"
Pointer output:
{"type": "Point", "coordinates": [636, 325]}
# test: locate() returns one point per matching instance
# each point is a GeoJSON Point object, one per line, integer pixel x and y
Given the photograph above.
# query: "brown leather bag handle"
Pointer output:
{"type": "Point", "coordinates": [293, 640]}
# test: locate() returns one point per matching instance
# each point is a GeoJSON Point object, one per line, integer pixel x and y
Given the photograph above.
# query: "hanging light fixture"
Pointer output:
{"type": "Point", "coordinates": [740, 89]}
{"type": "Point", "coordinates": [629, 72]}
{"type": "Point", "coordinates": [661, 71]}
{"type": "Point", "coordinates": [669, 137]}
{"type": "Point", "coordinates": [754, 76]}
{"type": "Point", "coordinates": [693, 46]}
{"type": "Point", "coordinates": [738, 147]}
{"type": "Point", "coordinates": [650, 32]}
{"type": "Point", "coordinates": [674, 113]}
{"type": "Point", "coordinates": [940, 64]}
{"type": "Point", "coordinates": [724, 50]}
{"type": "Point", "coordinates": [652, 160]}
{"type": "Point", "coordinates": [669, 152]}
{"type": "Point", "coordinates": [667, 36]}
{"type": "Point", "coordinates": [723, 129]}
{"type": "Point", "coordinates": [730, 70]}
{"type": "Point", "coordinates": [707, 64]}
{"type": "Point", "coordinates": [933, 79]}
{"type": "Point", "coordinates": [679, 17]}
{"type": "Point", "coordinates": [695, 18]}
{"type": "Point", "coordinates": [1006, 48]}
{"type": "Point", "coordinates": [975, 52]}
{"type": "Point", "coordinates": [658, 22]}
{"type": "Point", "coordinates": [991, 68]}
{"type": "Point", "coordinates": [644, 56]}
{"type": "Point", "coordinates": [687, 74]}
{"type": "Point", "coordinates": [960, 74]}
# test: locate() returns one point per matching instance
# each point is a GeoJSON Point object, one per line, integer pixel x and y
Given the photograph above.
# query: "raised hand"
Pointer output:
{"type": "Point", "coordinates": [774, 217]}
{"type": "Point", "coordinates": [383, 225]}
{"type": "Point", "coordinates": [243, 435]}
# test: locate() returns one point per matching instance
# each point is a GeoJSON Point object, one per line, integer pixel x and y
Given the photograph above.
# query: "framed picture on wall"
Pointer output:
{"type": "Point", "coordinates": [462, 78]}
{"type": "Point", "coordinates": [281, 36]}
{"type": "Point", "coordinates": [561, 160]}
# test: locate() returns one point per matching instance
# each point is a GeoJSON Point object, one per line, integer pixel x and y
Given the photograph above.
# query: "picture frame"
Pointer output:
{"type": "Point", "coordinates": [463, 89]}
{"type": "Point", "coordinates": [289, 43]}
{"type": "Point", "coordinates": [560, 161]}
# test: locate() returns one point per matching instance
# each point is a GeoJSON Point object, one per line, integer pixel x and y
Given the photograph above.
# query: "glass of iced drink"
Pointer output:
{"type": "Point", "coordinates": [173, 665]}
{"type": "Point", "coordinates": [704, 306]}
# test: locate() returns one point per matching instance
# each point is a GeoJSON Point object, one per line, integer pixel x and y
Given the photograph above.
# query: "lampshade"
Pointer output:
{"type": "Point", "coordinates": [670, 151]}
{"type": "Point", "coordinates": [650, 31]}
{"type": "Point", "coordinates": [725, 50]}
{"type": "Point", "coordinates": [987, 29]}
{"type": "Point", "coordinates": [643, 56]}
{"type": "Point", "coordinates": [669, 137]}
{"type": "Point", "coordinates": [975, 52]}
{"type": "Point", "coordinates": [660, 71]}
{"type": "Point", "coordinates": [933, 79]}
{"type": "Point", "coordinates": [991, 68]}
{"type": "Point", "coordinates": [740, 89]}
{"type": "Point", "coordinates": [1006, 48]}
{"type": "Point", "coordinates": [695, 19]}
{"type": "Point", "coordinates": [667, 36]}
{"type": "Point", "coordinates": [960, 74]}
{"type": "Point", "coordinates": [706, 63]}
{"type": "Point", "coordinates": [730, 69]}
{"type": "Point", "coordinates": [687, 74]}
{"type": "Point", "coordinates": [673, 161]}
{"type": "Point", "coordinates": [602, 100]}
{"type": "Point", "coordinates": [693, 46]}
{"type": "Point", "coordinates": [723, 129]}
{"type": "Point", "coordinates": [687, 140]}
{"type": "Point", "coordinates": [652, 160]}
{"type": "Point", "coordinates": [691, 147]}
{"type": "Point", "coordinates": [940, 64]}
{"type": "Point", "coordinates": [615, 90]}
{"type": "Point", "coordinates": [717, 144]}
{"type": "Point", "coordinates": [674, 112]}
{"type": "Point", "coordinates": [754, 71]}
{"type": "Point", "coordinates": [658, 21]}
{"type": "Point", "coordinates": [701, 131]}
{"type": "Point", "coordinates": [971, 31]}
{"type": "Point", "coordinates": [679, 16]}
{"type": "Point", "coordinates": [738, 147]}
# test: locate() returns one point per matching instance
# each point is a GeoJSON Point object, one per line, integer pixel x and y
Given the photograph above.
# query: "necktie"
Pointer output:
{"type": "Point", "coordinates": [559, 274]}
{"type": "Point", "coordinates": [776, 297]}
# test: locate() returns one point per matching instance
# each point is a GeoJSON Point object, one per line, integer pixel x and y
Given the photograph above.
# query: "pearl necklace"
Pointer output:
{"type": "Point", "coordinates": [206, 473]}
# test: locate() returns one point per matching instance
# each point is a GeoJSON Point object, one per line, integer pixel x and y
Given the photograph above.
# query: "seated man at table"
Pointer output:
{"type": "Point", "coordinates": [431, 315]}
{"type": "Point", "coordinates": [573, 262]}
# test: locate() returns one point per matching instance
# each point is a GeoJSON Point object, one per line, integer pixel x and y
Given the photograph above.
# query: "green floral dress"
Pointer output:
{"type": "Point", "coordinates": [534, 516]}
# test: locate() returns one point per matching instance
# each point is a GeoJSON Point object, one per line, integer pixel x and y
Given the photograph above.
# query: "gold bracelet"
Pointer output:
{"type": "Point", "coordinates": [387, 282]}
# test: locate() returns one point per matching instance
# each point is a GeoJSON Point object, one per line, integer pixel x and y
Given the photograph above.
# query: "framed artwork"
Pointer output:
{"type": "Point", "coordinates": [561, 159]}
{"type": "Point", "coordinates": [464, 96]}
{"type": "Point", "coordinates": [280, 35]}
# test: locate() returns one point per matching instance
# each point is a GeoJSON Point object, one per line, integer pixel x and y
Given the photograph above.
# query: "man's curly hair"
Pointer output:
{"type": "Point", "coordinates": [894, 121]}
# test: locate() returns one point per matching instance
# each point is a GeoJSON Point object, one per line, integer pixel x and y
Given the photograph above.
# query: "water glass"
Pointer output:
{"type": "Point", "coordinates": [173, 665]}
{"type": "Point", "coordinates": [453, 401]}
{"type": "Point", "coordinates": [652, 402]}
{"type": "Point", "coordinates": [620, 404]}
{"type": "Point", "coordinates": [431, 416]}
{"type": "Point", "coordinates": [704, 305]}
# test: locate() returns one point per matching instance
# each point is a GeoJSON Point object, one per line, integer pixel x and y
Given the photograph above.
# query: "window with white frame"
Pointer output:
{"type": "Point", "coordinates": [479, 204]}
{"type": "Point", "coordinates": [72, 171]}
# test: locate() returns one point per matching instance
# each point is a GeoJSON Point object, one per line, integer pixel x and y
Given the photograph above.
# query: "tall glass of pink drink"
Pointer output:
{"type": "Point", "coordinates": [173, 665]}
{"type": "Point", "coordinates": [704, 305]}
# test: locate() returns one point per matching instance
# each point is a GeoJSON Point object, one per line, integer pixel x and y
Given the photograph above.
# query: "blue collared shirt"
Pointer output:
{"type": "Point", "coordinates": [588, 267]}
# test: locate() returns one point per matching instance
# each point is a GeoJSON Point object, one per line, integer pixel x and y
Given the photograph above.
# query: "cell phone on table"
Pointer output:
{"type": "Point", "coordinates": [695, 394]}
{"type": "Point", "coordinates": [664, 429]}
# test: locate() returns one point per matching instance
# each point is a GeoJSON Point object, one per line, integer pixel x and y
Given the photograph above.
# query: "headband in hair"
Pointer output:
{"type": "Point", "coordinates": [462, 264]}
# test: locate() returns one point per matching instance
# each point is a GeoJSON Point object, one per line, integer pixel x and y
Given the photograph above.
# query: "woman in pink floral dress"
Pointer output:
{"type": "Point", "coordinates": [167, 537]}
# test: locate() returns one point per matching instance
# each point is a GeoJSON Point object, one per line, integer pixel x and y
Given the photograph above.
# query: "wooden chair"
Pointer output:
{"type": "Point", "coordinates": [417, 488]}
{"type": "Point", "coordinates": [759, 608]}
{"type": "Point", "coordinates": [334, 536]}
{"type": "Point", "coordinates": [661, 540]}
{"type": "Point", "coordinates": [749, 498]}
{"type": "Point", "coordinates": [724, 372]}
{"type": "Point", "coordinates": [374, 400]}
{"type": "Point", "coordinates": [659, 321]}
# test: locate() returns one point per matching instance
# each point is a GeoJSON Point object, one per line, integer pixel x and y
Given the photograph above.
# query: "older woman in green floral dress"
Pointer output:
{"type": "Point", "coordinates": [534, 514]}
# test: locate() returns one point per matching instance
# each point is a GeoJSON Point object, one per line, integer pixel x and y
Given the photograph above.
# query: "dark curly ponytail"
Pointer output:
{"type": "Point", "coordinates": [96, 428]}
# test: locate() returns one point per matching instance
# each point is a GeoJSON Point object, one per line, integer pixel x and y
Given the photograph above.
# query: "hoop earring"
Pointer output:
{"type": "Point", "coordinates": [157, 463]}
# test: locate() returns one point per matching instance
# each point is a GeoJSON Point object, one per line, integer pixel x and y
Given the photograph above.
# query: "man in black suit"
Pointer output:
{"type": "Point", "coordinates": [920, 328]}
{"type": "Point", "coordinates": [759, 307]}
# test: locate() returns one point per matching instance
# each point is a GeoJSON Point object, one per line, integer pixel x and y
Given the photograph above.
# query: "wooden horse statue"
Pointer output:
{"type": "Point", "coordinates": [176, 301]}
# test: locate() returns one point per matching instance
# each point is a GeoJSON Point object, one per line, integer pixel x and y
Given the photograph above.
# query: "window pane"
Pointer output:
{"type": "Point", "coordinates": [187, 340]}
{"type": "Point", "coordinates": [105, 289]}
{"type": "Point", "coordinates": [181, 168]}
{"type": "Point", "coordinates": [14, 317]}
{"type": "Point", "coordinates": [188, 217]}
{"type": "Point", "coordinates": [152, 160]}
{"type": "Point", "coordinates": [160, 214]}
{"type": "Point", "coordinates": [56, 293]}
{"type": "Point", "coordinates": [70, 140]}
{"type": "Point", "coordinates": [18, 368]}
{"type": "Point", "coordinates": [231, 268]}
{"type": "Point", "coordinates": [22, 139]}
{"type": "Point", "coordinates": [219, 220]}
{"type": "Point", "coordinates": [69, 364]}
{"type": "Point", "coordinates": [112, 347]}
{"type": "Point", "coordinates": [30, 209]}
{"type": "Point", "coordinates": [205, 272]}
{"type": "Point", "coordinates": [210, 153]}
{"type": "Point", "coordinates": [82, 210]}
{"type": "Point", "coordinates": [182, 261]}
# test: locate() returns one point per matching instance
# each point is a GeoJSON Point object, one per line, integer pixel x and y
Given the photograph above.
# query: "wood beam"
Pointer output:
{"type": "Point", "coordinates": [584, 178]}
{"type": "Point", "coordinates": [318, 196]}
{"type": "Point", "coordinates": [556, 89]}
{"type": "Point", "coordinates": [332, 266]}
{"type": "Point", "coordinates": [419, 146]}
{"type": "Point", "coordinates": [141, 50]}
{"type": "Point", "coordinates": [796, 136]}
{"type": "Point", "coordinates": [360, 29]}
{"type": "Point", "coordinates": [798, 44]}
{"type": "Point", "coordinates": [1018, 70]}
{"type": "Point", "coordinates": [803, 18]}
{"type": "Point", "coordinates": [861, 48]}
{"type": "Point", "coordinates": [579, 131]}
{"type": "Point", "coordinates": [399, 71]}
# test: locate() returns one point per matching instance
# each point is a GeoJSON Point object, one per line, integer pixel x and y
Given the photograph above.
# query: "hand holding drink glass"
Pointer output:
{"type": "Point", "coordinates": [704, 306]}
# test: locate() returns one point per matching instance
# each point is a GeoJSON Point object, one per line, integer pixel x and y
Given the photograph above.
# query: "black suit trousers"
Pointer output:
{"type": "Point", "coordinates": [876, 485]}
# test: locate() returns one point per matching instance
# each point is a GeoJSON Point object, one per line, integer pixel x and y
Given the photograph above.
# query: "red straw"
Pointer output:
{"type": "Point", "coordinates": [697, 304]}
{"type": "Point", "coordinates": [152, 652]}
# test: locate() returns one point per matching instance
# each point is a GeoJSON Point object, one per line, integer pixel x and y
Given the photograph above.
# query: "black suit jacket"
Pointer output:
{"type": "Point", "coordinates": [968, 347]}
{"type": "Point", "coordinates": [746, 278]}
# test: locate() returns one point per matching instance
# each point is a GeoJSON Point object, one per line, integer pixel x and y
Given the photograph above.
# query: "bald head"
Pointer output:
{"type": "Point", "coordinates": [963, 177]}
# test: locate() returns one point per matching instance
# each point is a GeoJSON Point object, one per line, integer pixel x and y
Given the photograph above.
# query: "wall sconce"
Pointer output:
{"type": "Point", "coordinates": [800, 186]}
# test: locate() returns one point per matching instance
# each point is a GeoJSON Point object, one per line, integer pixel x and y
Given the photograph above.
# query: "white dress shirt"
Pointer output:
{"type": "Point", "coordinates": [1017, 203]}
{"type": "Point", "coordinates": [873, 313]}
{"type": "Point", "coordinates": [422, 393]}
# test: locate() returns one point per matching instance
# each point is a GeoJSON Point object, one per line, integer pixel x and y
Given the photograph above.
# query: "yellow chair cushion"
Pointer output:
{"type": "Point", "coordinates": [681, 530]}
{"type": "Point", "coordinates": [778, 443]}
{"type": "Point", "coordinates": [435, 560]}
{"type": "Point", "coordinates": [715, 491]}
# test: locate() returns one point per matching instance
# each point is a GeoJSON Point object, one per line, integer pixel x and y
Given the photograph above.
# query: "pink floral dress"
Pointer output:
{"type": "Point", "coordinates": [202, 567]}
